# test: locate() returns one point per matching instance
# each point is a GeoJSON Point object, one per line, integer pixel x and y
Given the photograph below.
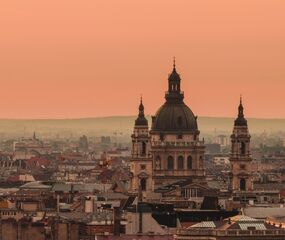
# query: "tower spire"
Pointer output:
{"type": "Point", "coordinates": [141, 120]}
{"type": "Point", "coordinates": [174, 64]}
{"type": "Point", "coordinates": [240, 108]}
{"type": "Point", "coordinates": [141, 108]}
{"type": "Point", "coordinates": [240, 121]}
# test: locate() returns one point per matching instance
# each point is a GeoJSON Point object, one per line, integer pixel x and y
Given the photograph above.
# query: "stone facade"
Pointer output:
{"type": "Point", "coordinates": [171, 151]}
{"type": "Point", "coordinates": [176, 159]}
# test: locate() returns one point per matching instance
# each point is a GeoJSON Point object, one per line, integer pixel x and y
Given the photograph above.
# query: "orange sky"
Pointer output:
{"type": "Point", "coordinates": [69, 59]}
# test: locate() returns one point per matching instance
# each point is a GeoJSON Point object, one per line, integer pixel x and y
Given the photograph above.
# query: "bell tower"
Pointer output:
{"type": "Point", "coordinates": [241, 173]}
{"type": "Point", "coordinates": [141, 161]}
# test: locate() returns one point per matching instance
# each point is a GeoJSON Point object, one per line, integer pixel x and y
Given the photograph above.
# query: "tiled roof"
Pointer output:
{"type": "Point", "coordinates": [254, 226]}
{"type": "Point", "coordinates": [207, 224]}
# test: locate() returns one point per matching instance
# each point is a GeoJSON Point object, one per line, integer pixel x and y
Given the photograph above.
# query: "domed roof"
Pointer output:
{"type": "Point", "coordinates": [174, 117]}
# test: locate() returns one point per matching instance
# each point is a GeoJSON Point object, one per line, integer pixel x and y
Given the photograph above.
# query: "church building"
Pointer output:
{"type": "Point", "coordinates": [171, 151]}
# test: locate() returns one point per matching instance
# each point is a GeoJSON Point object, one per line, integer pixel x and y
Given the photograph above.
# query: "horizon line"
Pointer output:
{"type": "Point", "coordinates": [122, 116]}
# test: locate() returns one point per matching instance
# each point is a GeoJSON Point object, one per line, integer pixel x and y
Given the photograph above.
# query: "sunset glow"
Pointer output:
{"type": "Point", "coordinates": [73, 59]}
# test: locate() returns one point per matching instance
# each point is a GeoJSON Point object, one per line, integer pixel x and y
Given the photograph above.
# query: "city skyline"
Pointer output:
{"type": "Point", "coordinates": [65, 59]}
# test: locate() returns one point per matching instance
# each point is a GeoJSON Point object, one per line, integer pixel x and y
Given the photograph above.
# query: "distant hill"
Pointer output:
{"type": "Point", "coordinates": [120, 124]}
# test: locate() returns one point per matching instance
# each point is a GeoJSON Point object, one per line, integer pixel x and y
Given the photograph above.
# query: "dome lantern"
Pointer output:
{"type": "Point", "coordinates": [174, 93]}
{"type": "Point", "coordinates": [174, 115]}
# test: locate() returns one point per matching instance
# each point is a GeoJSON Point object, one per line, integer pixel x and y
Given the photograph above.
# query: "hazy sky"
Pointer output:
{"type": "Point", "coordinates": [87, 58]}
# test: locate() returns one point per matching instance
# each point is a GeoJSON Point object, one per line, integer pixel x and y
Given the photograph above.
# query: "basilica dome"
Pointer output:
{"type": "Point", "coordinates": [174, 115]}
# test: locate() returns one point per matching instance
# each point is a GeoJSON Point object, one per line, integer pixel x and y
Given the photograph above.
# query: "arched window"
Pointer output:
{"type": "Point", "coordinates": [170, 163]}
{"type": "Point", "coordinates": [189, 162]}
{"type": "Point", "coordinates": [242, 184]}
{"type": "Point", "coordinates": [143, 184]}
{"type": "Point", "coordinates": [180, 162]}
{"type": "Point", "coordinates": [242, 148]}
{"type": "Point", "coordinates": [143, 148]}
{"type": "Point", "coordinates": [157, 162]}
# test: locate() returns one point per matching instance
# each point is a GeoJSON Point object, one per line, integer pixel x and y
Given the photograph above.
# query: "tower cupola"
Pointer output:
{"type": "Point", "coordinates": [240, 121]}
{"type": "Point", "coordinates": [174, 93]}
{"type": "Point", "coordinates": [141, 120]}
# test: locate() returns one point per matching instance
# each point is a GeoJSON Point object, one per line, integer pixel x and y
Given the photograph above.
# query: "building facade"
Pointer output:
{"type": "Point", "coordinates": [172, 144]}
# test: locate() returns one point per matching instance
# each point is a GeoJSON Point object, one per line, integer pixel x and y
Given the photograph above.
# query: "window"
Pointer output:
{"type": "Point", "coordinates": [189, 162]}
{"type": "Point", "coordinates": [143, 148]}
{"type": "Point", "coordinates": [180, 163]}
{"type": "Point", "coordinates": [242, 184]}
{"type": "Point", "coordinates": [157, 162]}
{"type": "Point", "coordinates": [242, 148]}
{"type": "Point", "coordinates": [143, 184]}
{"type": "Point", "coordinates": [242, 166]}
{"type": "Point", "coordinates": [170, 163]}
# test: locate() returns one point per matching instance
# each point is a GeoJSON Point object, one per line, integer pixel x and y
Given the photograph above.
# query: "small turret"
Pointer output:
{"type": "Point", "coordinates": [141, 120]}
{"type": "Point", "coordinates": [240, 121]}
